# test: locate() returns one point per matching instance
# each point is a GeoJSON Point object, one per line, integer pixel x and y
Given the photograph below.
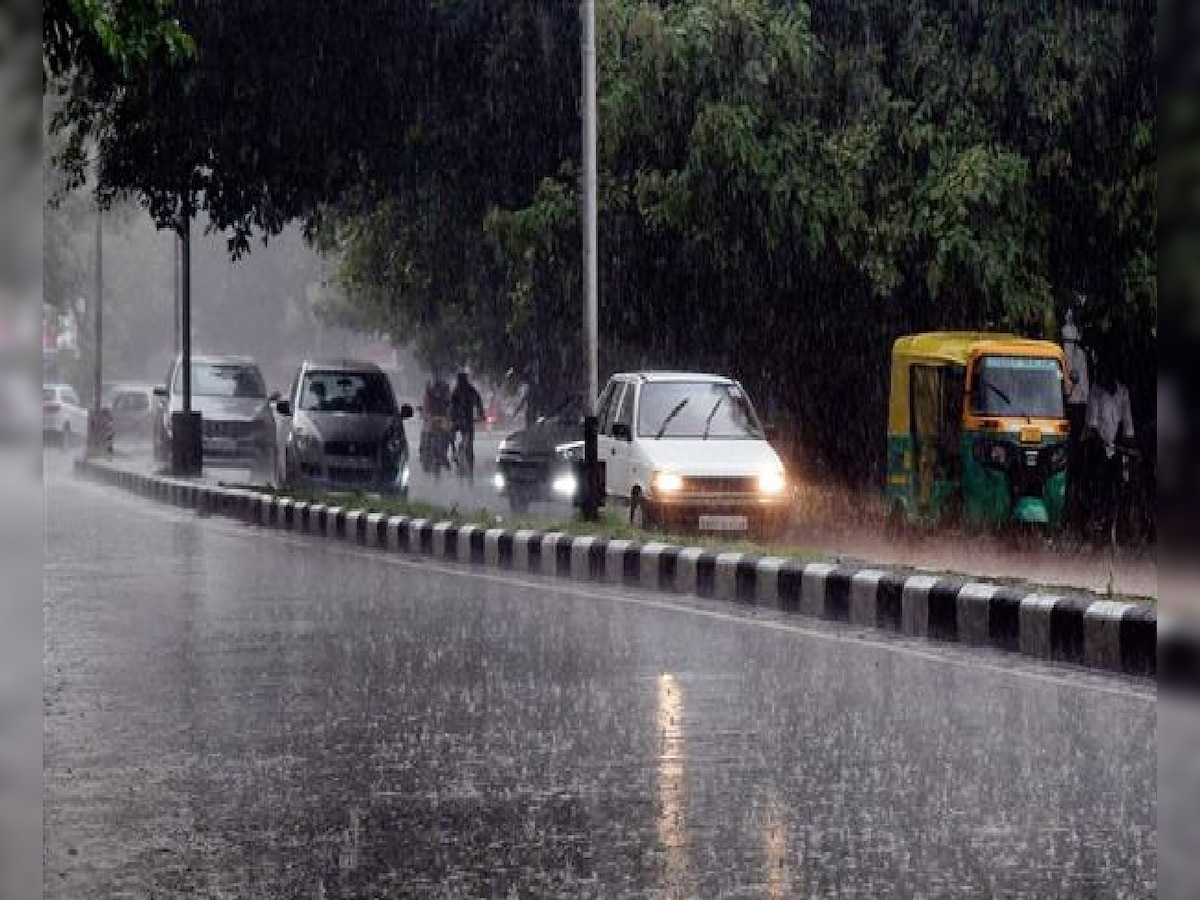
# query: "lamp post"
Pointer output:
{"type": "Point", "coordinates": [592, 481]}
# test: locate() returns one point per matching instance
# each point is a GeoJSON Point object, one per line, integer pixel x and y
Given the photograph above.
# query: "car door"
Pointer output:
{"type": "Point", "coordinates": [605, 410]}
{"type": "Point", "coordinates": [624, 453]}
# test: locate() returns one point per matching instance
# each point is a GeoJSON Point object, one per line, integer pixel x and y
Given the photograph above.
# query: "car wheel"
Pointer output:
{"type": "Point", "coordinates": [641, 514]}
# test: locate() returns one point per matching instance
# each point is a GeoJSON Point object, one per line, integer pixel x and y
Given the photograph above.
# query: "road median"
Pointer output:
{"type": "Point", "coordinates": [1077, 628]}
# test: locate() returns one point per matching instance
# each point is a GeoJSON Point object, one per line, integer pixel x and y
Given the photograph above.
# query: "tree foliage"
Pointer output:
{"type": "Point", "coordinates": [785, 185]}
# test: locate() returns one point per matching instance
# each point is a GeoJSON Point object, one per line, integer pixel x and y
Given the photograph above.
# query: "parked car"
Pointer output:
{"type": "Point", "coordinates": [132, 408]}
{"type": "Point", "coordinates": [64, 418]}
{"type": "Point", "coordinates": [689, 449]}
{"type": "Point", "coordinates": [340, 426]}
{"type": "Point", "coordinates": [237, 423]}
{"type": "Point", "coordinates": [538, 464]}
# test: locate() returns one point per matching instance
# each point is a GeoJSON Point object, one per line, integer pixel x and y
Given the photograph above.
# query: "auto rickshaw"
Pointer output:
{"type": "Point", "coordinates": [977, 430]}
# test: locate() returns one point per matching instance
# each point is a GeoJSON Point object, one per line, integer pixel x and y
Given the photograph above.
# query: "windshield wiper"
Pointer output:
{"type": "Point", "coordinates": [670, 417]}
{"type": "Point", "coordinates": [712, 412]}
{"type": "Point", "coordinates": [997, 391]}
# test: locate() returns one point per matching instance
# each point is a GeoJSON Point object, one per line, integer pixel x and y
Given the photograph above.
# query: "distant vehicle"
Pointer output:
{"type": "Point", "coordinates": [64, 419]}
{"type": "Point", "coordinates": [689, 449]}
{"type": "Point", "coordinates": [538, 464]}
{"type": "Point", "coordinates": [237, 421]}
{"type": "Point", "coordinates": [977, 430]}
{"type": "Point", "coordinates": [132, 409]}
{"type": "Point", "coordinates": [340, 426]}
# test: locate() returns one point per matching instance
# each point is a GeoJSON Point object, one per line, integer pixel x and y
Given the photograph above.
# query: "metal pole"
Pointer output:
{"type": "Point", "coordinates": [591, 498]}
{"type": "Point", "coordinates": [185, 306]}
{"type": "Point", "coordinates": [98, 324]}
{"type": "Point", "coordinates": [175, 280]}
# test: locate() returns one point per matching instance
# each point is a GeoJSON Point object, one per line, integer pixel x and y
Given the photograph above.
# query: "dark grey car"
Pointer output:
{"type": "Point", "coordinates": [340, 426]}
{"type": "Point", "coordinates": [538, 464]}
{"type": "Point", "coordinates": [231, 397]}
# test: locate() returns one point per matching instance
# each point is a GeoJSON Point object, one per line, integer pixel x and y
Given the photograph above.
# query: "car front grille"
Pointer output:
{"type": "Point", "coordinates": [221, 429]}
{"type": "Point", "coordinates": [351, 448]}
{"type": "Point", "coordinates": [736, 486]}
{"type": "Point", "coordinates": [351, 475]}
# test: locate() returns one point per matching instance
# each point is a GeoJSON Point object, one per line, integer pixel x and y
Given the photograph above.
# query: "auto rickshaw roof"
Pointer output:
{"type": "Point", "coordinates": [957, 347]}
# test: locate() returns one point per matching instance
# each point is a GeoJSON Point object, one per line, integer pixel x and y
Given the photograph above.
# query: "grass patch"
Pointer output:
{"type": "Point", "coordinates": [610, 524]}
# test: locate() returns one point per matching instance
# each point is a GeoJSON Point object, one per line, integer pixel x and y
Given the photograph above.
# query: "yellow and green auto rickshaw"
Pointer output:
{"type": "Point", "coordinates": [977, 430]}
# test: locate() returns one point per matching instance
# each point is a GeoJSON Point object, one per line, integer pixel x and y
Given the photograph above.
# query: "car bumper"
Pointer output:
{"type": "Point", "coordinates": [719, 513]}
{"type": "Point", "coordinates": [542, 482]}
{"type": "Point", "coordinates": [354, 473]}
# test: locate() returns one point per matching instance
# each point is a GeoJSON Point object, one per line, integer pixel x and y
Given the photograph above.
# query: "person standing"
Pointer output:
{"type": "Point", "coordinates": [1109, 420]}
{"type": "Point", "coordinates": [1077, 401]}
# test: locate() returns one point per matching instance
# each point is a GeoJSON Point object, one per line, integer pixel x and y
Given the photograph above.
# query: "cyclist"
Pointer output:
{"type": "Point", "coordinates": [466, 408]}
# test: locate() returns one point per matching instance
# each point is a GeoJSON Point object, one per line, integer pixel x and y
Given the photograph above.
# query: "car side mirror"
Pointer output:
{"type": "Point", "coordinates": [622, 432]}
{"type": "Point", "coordinates": [406, 411]}
{"type": "Point", "coordinates": [161, 392]}
{"type": "Point", "coordinates": [283, 407]}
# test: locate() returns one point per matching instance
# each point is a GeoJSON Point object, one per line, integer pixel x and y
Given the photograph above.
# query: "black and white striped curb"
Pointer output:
{"type": "Point", "coordinates": [1082, 629]}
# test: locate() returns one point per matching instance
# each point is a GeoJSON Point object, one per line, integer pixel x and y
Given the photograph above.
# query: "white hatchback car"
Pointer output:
{"type": "Point", "coordinates": [63, 417]}
{"type": "Point", "coordinates": [689, 449]}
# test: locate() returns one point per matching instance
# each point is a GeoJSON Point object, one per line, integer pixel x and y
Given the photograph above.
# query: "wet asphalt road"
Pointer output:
{"type": "Point", "coordinates": [233, 713]}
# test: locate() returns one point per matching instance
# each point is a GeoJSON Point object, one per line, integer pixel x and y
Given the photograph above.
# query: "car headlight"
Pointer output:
{"type": "Point", "coordinates": [304, 440]}
{"type": "Point", "coordinates": [772, 482]}
{"type": "Point", "coordinates": [668, 482]}
{"type": "Point", "coordinates": [404, 475]}
{"type": "Point", "coordinates": [565, 485]}
{"type": "Point", "coordinates": [992, 453]}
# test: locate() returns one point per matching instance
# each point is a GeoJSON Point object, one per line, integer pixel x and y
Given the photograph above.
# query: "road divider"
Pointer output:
{"type": "Point", "coordinates": [1076, 628]}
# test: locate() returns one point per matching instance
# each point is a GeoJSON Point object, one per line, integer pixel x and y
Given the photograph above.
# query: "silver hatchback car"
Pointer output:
{"type": "Point", "coordinates": [340, 426]}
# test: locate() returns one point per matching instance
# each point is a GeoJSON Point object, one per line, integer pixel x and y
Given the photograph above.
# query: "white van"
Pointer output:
{"type": "Point", "coordinates": [689, 449]}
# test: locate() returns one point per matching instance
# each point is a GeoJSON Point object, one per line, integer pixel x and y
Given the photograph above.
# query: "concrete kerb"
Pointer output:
{"type": "Point", "coordinates": [1083, 629]}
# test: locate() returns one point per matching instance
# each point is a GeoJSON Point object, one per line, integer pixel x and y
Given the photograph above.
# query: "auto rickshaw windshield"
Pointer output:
{"type": "Point", "coordinates": [1018, 386]}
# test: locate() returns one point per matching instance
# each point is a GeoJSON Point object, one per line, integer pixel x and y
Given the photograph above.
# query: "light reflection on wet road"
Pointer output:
{"type": "Point", "coordinates": [235, 714]}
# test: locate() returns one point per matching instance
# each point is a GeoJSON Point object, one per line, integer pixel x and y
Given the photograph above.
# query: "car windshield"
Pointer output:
{"type": "Point", "coordinates": [713, 410]}
{"type": "Point", "coordinates": [366, 393]}
{"type": "Point", "coordinates": [1018, 386]}
{"type": "Point", "coordinates": [224, 380]}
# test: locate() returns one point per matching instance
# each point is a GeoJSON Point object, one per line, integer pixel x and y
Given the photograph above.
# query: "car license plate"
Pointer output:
{"type": "Point", "coordinates": [724, 523]}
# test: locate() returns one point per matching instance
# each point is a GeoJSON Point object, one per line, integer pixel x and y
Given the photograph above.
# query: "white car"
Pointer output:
{"type": "Point", "coordinates": [689, 449]}
{"type": "Point", "coordinates": [63, 417]}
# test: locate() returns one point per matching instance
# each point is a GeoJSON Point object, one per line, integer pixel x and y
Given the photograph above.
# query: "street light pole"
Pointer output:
{"type": "Point", "coordinates": [592, 485]}
{"type": "Point", "coordinates": [94, 434]}
{"type": "Point", "coordinates": [176, 278]}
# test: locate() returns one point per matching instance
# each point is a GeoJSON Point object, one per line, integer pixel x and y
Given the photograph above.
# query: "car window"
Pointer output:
{"type": "Point", "coordinates": [223, 380]}
{"type": "Point", "coordinates": [624, 414]}
{"type": "Point", "coordinates": [608, 406]}
{"type": "Point", "coordinates": [713, 410]}
{"type": "Point", "coordinates": [366, 393]}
